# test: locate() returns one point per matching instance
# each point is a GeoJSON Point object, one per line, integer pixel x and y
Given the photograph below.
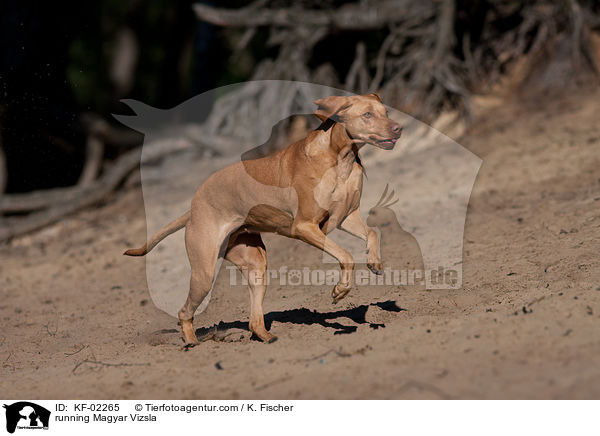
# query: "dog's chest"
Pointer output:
{"type": "Point", "coordinates": [339, 189]}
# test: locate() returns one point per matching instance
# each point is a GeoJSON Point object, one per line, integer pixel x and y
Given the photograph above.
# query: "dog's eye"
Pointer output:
{"type": "Point", "coordinates": [367, 115]}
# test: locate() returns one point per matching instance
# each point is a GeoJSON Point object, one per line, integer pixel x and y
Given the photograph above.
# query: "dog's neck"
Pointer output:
{"type": "Point", "coordinates": [341, 143]}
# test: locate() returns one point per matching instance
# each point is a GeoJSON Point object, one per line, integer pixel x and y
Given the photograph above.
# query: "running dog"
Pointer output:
{"type": "Point", "coordinates": [303, 191]}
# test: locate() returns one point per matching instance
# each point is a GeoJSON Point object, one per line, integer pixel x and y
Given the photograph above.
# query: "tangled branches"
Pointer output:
{"type": "Point", "coordinates": [423, 56]}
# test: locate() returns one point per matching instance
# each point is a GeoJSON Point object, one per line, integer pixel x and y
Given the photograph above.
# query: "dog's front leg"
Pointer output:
{"type": "Point", "coordinates": [311, 233]}
{"type": "Point", "coordinates": [355, 225]}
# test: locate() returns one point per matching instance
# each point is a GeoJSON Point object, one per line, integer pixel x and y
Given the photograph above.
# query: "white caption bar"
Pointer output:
{"type": "Point", "coordinates": [22, 417]}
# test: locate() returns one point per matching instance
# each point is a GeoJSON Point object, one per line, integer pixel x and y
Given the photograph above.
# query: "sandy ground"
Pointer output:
{"type": "Point", "coordinates": [77, 320]}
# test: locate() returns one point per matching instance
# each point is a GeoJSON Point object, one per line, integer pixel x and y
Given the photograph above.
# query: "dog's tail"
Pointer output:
{"type": "Point", "coordinates": [172, 227]}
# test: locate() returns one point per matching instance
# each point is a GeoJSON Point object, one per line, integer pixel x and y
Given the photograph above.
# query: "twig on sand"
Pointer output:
{"type": "Point", "coordinates": [81, 349]}
{"type": "Point", "coordinates": [54, 330]}
{"type": "Point", "coordinates": [339, 353]}
{"type": "Point", "coordinates": [5, 364]}
{"type": "Point", "coordinates": [97, 362]}
{"type": "Point", "coordinates": [425, 387]}
{"type": "Point", "coordinates": [271, 383]}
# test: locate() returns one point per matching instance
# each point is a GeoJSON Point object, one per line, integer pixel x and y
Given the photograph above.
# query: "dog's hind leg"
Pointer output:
{"type": "Point", "coordinates": [248, 253]}
{"type": "Point", "coordinates": [204, 246]}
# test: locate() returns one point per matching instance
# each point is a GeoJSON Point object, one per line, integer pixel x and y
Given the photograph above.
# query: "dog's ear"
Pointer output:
{"type": "Point", "coordinates": [374, 95]}
{"type": "Point", "coordinates": [331, 106]}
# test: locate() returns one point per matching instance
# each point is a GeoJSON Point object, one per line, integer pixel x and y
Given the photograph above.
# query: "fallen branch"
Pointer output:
{"type": "Point", "coordinates": [350, 17]}
{"type": "Point", "coordinates": [111, 136]}
{"type": "Point", "coordinates": [65, 201]}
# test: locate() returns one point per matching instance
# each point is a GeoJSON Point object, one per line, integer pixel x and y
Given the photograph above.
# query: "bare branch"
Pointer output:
{"type": "Point", "coordinates": [349, 17]}
{"type": "Point", "coordinates": [358, 75]}
{"type": "Point", "coordinates": [381, 57]}
{"type": "Point", "coordinates": [3, 173]}
{"type": "Point", "coordinates": [576, 18]}
{"type": "Point", "coordinates": [94, 153]}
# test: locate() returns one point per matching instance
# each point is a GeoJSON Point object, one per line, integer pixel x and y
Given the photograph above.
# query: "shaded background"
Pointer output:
{"type": "Point", "coordinates": [60, 61]}
{"type": "Point", "coordinates": [64, 67]}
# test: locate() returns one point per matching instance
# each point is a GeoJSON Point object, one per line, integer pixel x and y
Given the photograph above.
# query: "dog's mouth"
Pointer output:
{"type": "Point", "coordinates": [385, 143]}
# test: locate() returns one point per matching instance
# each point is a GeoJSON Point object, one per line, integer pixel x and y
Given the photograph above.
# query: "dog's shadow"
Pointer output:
{"type": "Point", "coordinates": [309, 317]}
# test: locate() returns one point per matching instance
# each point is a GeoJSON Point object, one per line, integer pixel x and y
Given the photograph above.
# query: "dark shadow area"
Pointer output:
{"type": "Point", "coordinates": [309, 317]}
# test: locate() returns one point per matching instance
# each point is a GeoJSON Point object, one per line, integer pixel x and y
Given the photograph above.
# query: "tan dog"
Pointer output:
{"type": "Point", "coordinates": [303, 191]}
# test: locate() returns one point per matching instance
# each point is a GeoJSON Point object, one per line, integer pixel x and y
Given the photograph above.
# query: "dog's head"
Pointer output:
{"type": "Point", "coordinates": [364, 117]}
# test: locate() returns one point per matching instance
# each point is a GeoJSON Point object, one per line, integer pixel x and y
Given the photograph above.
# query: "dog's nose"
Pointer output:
{"type": "Point", "coordinates": [396, 129]}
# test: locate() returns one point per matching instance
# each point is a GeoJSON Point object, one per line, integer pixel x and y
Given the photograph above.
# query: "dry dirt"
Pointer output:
{"type": "Point", "coordinates": [77, 320]}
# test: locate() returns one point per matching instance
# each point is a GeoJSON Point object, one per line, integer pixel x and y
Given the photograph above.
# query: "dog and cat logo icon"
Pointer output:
{"type": "Point", "coordinates": [26, 415]}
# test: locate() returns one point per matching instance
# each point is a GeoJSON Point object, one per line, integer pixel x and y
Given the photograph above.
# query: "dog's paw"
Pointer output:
{"type": "Point", "coordinates": [339, 292]}
{"type": "Point", "coordinates": [376, 268]}
{"type": "Point", "coordinates": [189, 345]}
{"type": "Point", "coordinates": [264, 336]}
